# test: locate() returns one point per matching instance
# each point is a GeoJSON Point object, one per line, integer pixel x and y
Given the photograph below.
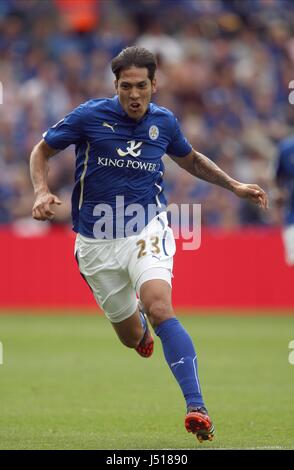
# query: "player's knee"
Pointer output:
{"type": "Point", "coordinates": [159, 311]}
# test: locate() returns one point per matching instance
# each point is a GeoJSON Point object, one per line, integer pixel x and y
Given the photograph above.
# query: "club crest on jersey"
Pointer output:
{"type": "Point", "coordinates": [131, 149]}
{"type": "Point", "coordinates": [153, 132]}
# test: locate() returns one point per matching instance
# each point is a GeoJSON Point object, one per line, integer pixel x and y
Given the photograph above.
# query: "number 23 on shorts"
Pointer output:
{"type": "Point", "coordinates": [154, 247]}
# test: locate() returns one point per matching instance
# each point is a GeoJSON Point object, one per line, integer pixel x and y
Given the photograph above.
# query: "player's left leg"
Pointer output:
{"type": "Point", "coordinates": [134, 332]}
{"type": "Point", "coordinates": [176, 342]}
{"type": "Point", "coordinates": [150, 268]}
{"type": "Point", "coordinates": [179, 353]}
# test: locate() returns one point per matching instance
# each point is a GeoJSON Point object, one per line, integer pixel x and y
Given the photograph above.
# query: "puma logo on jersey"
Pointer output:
{"type": "Point", "coordinates": [105, 124]}
{"type": "Point", "coordinates": [131, 149]}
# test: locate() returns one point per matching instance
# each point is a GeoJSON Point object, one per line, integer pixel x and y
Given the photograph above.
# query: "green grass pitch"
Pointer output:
{"type": "Point", "coordinates": [67, 383]}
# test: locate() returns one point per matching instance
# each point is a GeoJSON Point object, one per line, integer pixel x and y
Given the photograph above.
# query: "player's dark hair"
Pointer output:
{"type": "Point", "coordinates": [134, 56]}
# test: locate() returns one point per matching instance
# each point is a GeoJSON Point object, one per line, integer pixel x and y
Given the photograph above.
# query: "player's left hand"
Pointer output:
{"type": "Point", "coordinates": [253, 193]}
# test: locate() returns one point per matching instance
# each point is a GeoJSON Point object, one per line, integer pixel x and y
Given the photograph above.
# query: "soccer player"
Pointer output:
{"type": "Point", "coordinates": [284, 195]}
{"type": "Point", "coordinates": [119, 144]}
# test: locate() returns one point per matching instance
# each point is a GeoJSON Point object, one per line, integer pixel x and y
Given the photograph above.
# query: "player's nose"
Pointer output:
{"type": "Point", "coordinates": [134, 94]}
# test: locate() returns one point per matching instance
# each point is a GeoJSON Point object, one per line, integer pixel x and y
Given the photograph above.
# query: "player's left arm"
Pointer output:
{"type": "Point", "coordinates": [202, 167]}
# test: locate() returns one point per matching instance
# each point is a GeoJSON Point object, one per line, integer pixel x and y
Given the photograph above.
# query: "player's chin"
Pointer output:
{"type": "Point", "coordinates": [136, 113]}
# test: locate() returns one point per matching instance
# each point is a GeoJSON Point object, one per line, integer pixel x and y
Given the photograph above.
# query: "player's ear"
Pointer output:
{"type": "Point", "coordinates": [116, 84]}
{"type": "Point", "coordinates": [153, 85]}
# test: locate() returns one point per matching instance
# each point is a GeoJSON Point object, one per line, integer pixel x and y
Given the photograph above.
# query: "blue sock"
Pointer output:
{"type": "Point", "coordinates": [180, 355]}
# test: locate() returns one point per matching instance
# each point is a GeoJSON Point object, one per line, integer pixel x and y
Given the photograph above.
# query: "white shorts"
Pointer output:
{"type": "Point", "coordinates": [116, 269]}
{"type": "Point", "coordinates": [288, 239]}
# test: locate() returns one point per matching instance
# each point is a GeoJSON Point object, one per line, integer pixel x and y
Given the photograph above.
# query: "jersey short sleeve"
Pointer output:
{"type": "Point", "coordinates": [67, 131]}
{"type": "Point", "coordinates": [179, 145]}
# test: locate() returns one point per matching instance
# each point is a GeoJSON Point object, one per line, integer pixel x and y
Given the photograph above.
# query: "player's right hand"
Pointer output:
{"type": "Point", "coordinates": [41, 209]}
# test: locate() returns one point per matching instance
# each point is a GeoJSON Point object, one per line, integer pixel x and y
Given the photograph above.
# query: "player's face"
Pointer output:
{"type": "Point", "coordinates": [134, 90]}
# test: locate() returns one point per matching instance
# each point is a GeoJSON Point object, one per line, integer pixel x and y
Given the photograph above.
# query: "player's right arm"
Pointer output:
{"type": "Point", "coordinates": [65, 132]}
{"type": "Point", "coordinates": [39, 171]}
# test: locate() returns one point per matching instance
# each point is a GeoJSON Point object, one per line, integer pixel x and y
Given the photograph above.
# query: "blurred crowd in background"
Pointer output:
{"type": "Point", "coordinates": [224, 70]}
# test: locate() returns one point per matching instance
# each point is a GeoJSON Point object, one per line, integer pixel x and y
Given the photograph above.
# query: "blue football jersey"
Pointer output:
{"type": "Point", "coordinates": [285, 175]}
{"type": "Point", "coordinates": [119, 168]}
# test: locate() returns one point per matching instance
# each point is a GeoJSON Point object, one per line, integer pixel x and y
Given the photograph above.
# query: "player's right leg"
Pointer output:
{"type": "Point", "coordinates": [112, 289]}
{"type": "Point", "coordinates": [134, 332]}
{"type": "Point", "coordinates": [130, 330]}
